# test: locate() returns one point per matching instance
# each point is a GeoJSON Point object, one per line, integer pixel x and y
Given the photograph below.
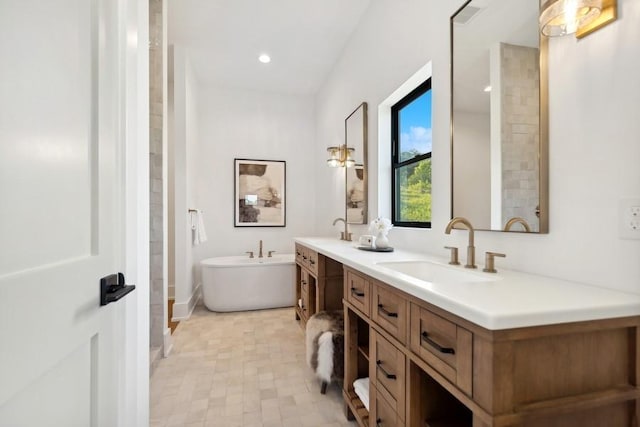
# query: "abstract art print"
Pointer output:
{"type": "Point", "coordinates": [260, 193]}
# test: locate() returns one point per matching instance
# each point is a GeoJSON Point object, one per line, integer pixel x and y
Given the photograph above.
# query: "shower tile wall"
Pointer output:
{"type": "Point", "coordinates": [520, 132]}
{"type": "Point", "coordinates": [157, 296]}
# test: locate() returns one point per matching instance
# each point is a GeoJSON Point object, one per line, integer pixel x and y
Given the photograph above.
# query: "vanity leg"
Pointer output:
{"type": "Point", "coordinates": [347, 412]}
{"type": "Point", "coordinates": [477, 422]}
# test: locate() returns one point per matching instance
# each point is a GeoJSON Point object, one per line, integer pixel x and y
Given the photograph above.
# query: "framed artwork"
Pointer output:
{"type": "Point", "coordinates": [260, 193]}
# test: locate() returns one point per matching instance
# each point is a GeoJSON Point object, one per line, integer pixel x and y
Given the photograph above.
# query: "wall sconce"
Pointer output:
{"type": "Point", "coordinates": [340, 156]}
{"type": "Point", "coordinates": [582, 17]}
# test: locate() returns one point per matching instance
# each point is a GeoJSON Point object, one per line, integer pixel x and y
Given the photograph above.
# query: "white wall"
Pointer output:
{"type": "Point", "coordinates": [594, 138]}
{"type": "Point", "coordinates": [253, 125]}
{"type": "Point", "coordinates": [184, 151]}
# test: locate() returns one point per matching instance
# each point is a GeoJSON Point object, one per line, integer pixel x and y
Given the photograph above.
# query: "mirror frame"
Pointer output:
{"type": "Point", "coordinates": [365, 181]}
{"type": "Point", "coordinates": [543, 150]}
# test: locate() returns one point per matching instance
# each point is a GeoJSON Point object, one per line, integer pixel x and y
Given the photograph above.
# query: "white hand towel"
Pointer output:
{"type": "Point", "coordinates": [361, 387]}
{"type": "Point", "coordinates": [197, 225]}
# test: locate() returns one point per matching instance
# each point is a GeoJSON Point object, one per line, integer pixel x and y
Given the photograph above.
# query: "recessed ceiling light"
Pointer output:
{"type": "Point", "coordinates": [487, 89]}
{"type": "Point", "coordinates": [264, 58]}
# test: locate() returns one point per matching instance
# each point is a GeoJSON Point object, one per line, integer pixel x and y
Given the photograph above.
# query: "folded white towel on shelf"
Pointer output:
{"type": "Point", "coordinates": [197, 225]}
{"type": "Point", "coordinates": [361, 387]}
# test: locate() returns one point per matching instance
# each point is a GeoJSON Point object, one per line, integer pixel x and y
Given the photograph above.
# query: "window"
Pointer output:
{"type": "Point", "coordinates": [411, 158]}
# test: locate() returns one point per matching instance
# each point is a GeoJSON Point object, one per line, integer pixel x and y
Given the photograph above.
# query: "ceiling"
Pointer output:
{"type": "Point", "coordinates": [223, 39]}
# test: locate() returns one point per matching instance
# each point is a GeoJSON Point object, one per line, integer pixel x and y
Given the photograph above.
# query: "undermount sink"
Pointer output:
{"type": "Point", "coordinates": [435, 273]}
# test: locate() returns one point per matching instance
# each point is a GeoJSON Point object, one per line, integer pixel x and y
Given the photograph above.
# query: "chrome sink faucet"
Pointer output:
{"type": "Point", "coordinates": [260, 252]}
{"type": "Point", "coordinates": [471, 250]}
{"type": "Point", "coordinates": [344, 235]}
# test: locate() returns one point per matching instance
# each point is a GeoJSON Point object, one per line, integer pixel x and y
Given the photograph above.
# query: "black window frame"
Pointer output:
{"type": "Point", "coordinates": [395, 153]}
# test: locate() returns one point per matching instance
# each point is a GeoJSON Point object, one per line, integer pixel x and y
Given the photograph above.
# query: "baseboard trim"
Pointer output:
{"type": "Point", "coordinates": [154, 358]}
{"type": "Point", "coordinates": [168, 342]}
{"type": "Point", "coordinates": [183, 310]}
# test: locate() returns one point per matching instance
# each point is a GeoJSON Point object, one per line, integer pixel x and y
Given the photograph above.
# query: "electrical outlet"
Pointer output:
{"type": "Point", "coordinates": [629, 219]}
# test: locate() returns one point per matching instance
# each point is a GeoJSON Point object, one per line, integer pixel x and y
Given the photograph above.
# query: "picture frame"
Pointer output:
{"type": "Point", "coordinates": [260, 193]}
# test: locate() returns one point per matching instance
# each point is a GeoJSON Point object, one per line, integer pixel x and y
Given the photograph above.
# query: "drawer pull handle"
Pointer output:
{"type": "Point", "coordinates": [388, 313]}
{"type": "Point", "coordinates": [298, 253]}
{"type": "Point", "coordinates": [304, 257]}
{"type": "Point", "coordinates": [304, 282]}
{"type": "Point", "coordinates": [356, 292]}
{"type": "Point", "coordinates": [386, 374]}
{"type": "Point", "coordinates": [432, 343]}
{"type": "Point", "coordinates": [312, 262]}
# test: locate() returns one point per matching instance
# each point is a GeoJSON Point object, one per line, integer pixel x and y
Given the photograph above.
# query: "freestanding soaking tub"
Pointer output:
{"type": "Point", "coordinates": [239, 283]}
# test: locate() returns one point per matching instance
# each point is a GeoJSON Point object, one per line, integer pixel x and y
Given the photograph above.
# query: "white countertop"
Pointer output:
{"type": "Point", "coordinates": [512, 300]}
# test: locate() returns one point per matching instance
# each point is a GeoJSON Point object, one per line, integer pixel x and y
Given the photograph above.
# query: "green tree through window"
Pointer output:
{"type": "Point", "coordinates": [411, 158]}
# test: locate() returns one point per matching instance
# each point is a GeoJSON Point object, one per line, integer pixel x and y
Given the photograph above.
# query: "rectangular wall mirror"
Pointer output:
{"type": "Point", "coordinates": [355, 134]}
{"type": "Point", "coordinates": [499, 129]}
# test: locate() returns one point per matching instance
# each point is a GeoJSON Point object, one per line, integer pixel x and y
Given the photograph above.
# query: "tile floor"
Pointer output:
{"type": "Point", "coordinates": [241, 369]}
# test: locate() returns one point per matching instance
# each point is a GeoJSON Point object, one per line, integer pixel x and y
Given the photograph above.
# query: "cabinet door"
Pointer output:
{"type": "Point", "coordinates": [381, 414]}
{"type": "Point", "coordinates": [304, 295]}
{"type": "Point", "coordinates": [299, 250]}
{"type": "Point", "coordinates": [312, 261]}
{"type": "Point", "coordinates": [387, 372]}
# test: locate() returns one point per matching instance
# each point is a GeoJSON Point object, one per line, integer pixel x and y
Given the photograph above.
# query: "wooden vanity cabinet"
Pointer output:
{"type": "Point", "coordinates": [373, 351]}
{"type": "Point", "coordinates": [582, 374]}
{"type": "Point", "coordinates": [318, 284]}
{"type": "Point", "coordinates": [430, 368]}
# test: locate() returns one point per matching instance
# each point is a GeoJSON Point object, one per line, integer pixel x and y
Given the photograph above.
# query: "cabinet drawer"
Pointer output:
{"type": "Point", "coordinates": [444, 345]}
{"type": "Point", "coordinates": [312, 261]}
{"type": "Point", "coordinates": [381, 414]}
{"type": "Point", "coordinates": [390, 310]}
{"type": "Point", "coordinates": [357, 291]}
{"type": "Point", "coordinates": [387, 371]}
{"type": "Point", "coordinates": [299, 253]}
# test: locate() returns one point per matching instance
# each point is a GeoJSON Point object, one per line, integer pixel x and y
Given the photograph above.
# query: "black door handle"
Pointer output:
{"type": "Point", "coordinates": [387, 312]}
{"type": "Point", "coordinates": [384, 371]}
{"type": "Point", "coordinates": [432, 343]}
{"type": "Point", "coordinates": [357, 293]}
{"type": "Point", "coordinates": [112, 288]}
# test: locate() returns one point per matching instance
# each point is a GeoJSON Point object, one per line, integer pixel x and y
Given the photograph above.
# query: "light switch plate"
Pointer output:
{"type": "Point", "coordinates": [629, 218]}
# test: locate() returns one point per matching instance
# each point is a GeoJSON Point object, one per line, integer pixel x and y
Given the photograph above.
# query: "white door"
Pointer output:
{"type": "Point", "coordinates": [65, 360]}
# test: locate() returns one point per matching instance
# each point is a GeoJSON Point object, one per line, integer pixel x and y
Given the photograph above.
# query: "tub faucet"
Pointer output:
{"type": "Point", "coordinates": [260, 251]}
{"type": "Point", "coordinates": [344, 235]}
{"type": "Point", "coordinates": [515, 220]}
{"type": "Point", "coordinates": [471, 250]}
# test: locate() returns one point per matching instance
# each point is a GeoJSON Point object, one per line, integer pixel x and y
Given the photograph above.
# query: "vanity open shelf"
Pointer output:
{"type": "Point", "coordinates": [429, 367]}
{"type": "Point", "coordinates": [356, 343]}
{"type": "Point", "coordinates": [318, 284]}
